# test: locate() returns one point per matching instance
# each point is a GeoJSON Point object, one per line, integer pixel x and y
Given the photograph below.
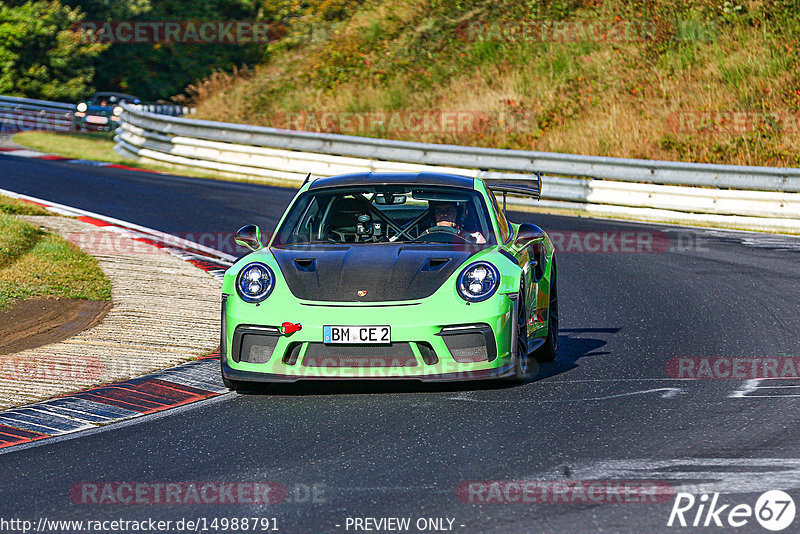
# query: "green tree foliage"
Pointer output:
{"type": "Point", "coordinates": [40, 57]}
{"type": "Point", "coordinates": [156, 71]}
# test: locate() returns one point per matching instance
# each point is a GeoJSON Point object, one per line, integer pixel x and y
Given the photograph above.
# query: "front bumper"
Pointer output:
{"type": "Point", "coordinates": [429, 343]}
{"type": "Point", "coordinates": [83, 124]}
{"type": "Point", "coordinates": [249, 376]}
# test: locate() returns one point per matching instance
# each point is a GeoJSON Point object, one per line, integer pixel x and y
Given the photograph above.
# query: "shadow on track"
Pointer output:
{"type": "Point", "coordinates": [572, 348]}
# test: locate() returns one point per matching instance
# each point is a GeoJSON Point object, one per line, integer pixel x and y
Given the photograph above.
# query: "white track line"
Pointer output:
{"type": "Point", "coordinates": [157, 235]}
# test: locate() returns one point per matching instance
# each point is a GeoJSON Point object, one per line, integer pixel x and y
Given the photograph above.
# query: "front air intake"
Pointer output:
{"type": "Point", "coordinates": [393, 355]}
{"type": "Point", "coordinates": [470, 343]}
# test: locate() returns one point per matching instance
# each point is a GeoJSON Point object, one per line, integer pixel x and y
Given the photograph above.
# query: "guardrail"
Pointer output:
{"type": "Point", "coordinates": [760, 198]}
{"type": "Point", "coordinates": [172, 110]}
{"type": "Point", "coordinates": [19, 114]}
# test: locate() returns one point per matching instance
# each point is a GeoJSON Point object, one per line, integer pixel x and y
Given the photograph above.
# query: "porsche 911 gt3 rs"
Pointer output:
{"type": "Point", "coordinates": [392, 276]}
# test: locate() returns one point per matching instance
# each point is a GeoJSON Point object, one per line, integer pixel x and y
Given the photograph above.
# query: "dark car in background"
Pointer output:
{"type": "Point", "coordinates": [101, 112]}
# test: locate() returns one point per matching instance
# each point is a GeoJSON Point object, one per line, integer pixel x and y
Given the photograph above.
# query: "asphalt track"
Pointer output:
{"type": "Point", "coordinates": [606, 409]}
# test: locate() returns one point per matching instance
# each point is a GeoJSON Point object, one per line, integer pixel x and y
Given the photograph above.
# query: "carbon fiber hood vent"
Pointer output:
{"type": "Point", "coordinates": [368, 273]}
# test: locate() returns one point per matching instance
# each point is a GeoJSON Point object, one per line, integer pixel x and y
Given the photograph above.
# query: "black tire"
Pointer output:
{"type": "Point", "coordinates": [549, 351]}
{"type": "Point", "coordinates": [233, 385]}
{"type": "Point", "coordinates": [522, 366]}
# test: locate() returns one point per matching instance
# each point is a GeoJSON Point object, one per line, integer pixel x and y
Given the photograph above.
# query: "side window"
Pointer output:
{"type": "Point", "coordinates": [502, 222]}
{"type": "Point", "coordinates": [310, 222]}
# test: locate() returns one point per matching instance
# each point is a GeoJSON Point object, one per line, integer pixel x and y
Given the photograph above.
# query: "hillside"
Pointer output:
{"type": "Point", "coordinates": [706, 81]}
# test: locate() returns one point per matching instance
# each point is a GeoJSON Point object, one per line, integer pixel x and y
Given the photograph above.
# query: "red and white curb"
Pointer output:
{"type": "Point", "coordinates": [26, 153]}
{"type": "Point", "coordinates": [184, 384]}
{"type": "Point", "coordinates": [210, 260]}
{"type": "Point", "coordinates": [156, 392]}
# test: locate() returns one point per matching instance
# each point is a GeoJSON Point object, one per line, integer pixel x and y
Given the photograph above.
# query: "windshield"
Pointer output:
{"type": "Point", "coordinates": [387, 214]}
{"type": "Point", "coordinates": [107, 100]}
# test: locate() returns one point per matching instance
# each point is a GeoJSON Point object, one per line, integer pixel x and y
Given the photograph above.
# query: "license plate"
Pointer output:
{"type": "Point", "coordinates": [97, 120]}
{"type": "Point", "coordinates": [368, 335]}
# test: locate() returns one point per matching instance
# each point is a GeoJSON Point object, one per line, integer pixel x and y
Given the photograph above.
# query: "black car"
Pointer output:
{"type": "Point", "coordinates": [101, 112]}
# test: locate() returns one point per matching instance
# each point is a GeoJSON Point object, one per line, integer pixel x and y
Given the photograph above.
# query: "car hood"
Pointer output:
{"type": "Point", "coordinates": [368, 273]}
{"type": "Point", "coordinates": [99, 110]}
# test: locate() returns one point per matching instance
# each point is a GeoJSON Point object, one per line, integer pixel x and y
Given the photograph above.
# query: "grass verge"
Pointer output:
{"type": "Point", "coordinates": [100, 147]}
{"type": "Point", "coordinates": [34, 263]}
{"type": "Point", "coordinates": [13, 206]}
{"type": "Point", "coordinates": [705, 81]}
{"type": "Point", "coordinates": [97, 146]}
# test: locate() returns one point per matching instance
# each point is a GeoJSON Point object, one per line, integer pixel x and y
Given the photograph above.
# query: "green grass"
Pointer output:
{"type": "Point", "coordinates": [97, 146]}
{"type": "Point", "coordinates": [34, 263]}
{"type": "Point", "coordinates": [13, 206]}
{"type": "Point", "coordinates": [16, 238]}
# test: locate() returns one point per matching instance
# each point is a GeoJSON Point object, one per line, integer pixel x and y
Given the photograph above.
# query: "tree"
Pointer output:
{"type": "Point", "coordinates": [154, 71]}
{"type": "Point", "coordinates": [40, 56]}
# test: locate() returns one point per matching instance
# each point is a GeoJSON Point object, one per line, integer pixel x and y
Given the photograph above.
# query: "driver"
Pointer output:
{"type": "Point", "coordinates": [445, 214]}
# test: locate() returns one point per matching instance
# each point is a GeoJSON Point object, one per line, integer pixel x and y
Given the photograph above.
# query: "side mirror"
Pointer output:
{"type": "Point", "coordinates": [527, 234]}
{"type": "Point", "coordinates": [249, 236]}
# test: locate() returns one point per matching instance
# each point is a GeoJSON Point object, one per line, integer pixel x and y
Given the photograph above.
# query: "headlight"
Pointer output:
{"type": "Point", "coordinates": [82, 106]}
{"type": "Point", "coordinates": [478, 281]}
{"type": "Point", "coordinates": [118, 110]}
{"type": "Point", "coordinates": [255, 282]}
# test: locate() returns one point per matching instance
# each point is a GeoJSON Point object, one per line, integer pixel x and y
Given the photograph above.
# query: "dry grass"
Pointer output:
{"type": "Point", "coordinates": [594, 97]}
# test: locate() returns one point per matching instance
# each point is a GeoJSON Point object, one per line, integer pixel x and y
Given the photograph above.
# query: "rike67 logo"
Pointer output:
{"type": "Point", "coordinates": [774, 510]}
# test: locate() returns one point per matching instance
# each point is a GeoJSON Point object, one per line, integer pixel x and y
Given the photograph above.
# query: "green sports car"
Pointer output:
{"type": "Point", "coordinates": [392, 276]}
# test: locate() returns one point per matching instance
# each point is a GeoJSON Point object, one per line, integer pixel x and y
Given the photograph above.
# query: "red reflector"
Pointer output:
{"type": "Point", "coordinates": [290, 328]}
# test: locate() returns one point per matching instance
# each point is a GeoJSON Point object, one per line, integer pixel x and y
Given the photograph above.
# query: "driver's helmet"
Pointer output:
{"type": "Point", "coordinates": [438, 205]}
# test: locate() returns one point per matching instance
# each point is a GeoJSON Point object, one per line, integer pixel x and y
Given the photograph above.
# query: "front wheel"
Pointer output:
{"type": "Point", "coordinates": [521, 362]}
{"type": "Point", "coordinates": [233, 385]}
{"type": "Point", "coordinates": [549, 351]}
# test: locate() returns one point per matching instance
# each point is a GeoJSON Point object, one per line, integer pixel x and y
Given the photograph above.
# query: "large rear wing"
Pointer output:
{"type": "Point", "coordinates": [524, 187]}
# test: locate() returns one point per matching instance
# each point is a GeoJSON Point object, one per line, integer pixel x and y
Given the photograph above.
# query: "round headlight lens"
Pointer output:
{"type": "Point", "coordinates": [255, 282]}
{"type": "Point", "coordinates": [118, 110]}
{"type": "Point", "coordinates": [478, 281]}
{"type": "Point", "coordinates": [82, 106]}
